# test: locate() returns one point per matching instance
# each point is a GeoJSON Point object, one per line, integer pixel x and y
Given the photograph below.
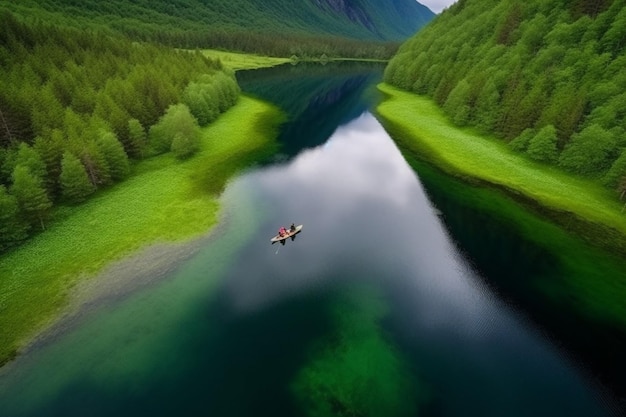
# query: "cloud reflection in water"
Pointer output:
{"type": "Point", "coordinates": [368, 219]}
{"type": "Point", "coordinates": [364, 213]}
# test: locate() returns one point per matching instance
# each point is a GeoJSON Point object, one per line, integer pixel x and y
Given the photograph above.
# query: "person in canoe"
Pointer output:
{"type": "Point", "coordinates": [292, 228]}
{"type": "Point", "coordinates": [282, 232]}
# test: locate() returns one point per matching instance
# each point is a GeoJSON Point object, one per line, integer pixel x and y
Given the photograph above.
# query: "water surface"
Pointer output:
{"type": "Point", "coordinates": [373, 310]}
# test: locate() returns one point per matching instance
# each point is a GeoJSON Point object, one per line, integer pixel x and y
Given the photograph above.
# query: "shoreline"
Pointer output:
{"type": "Point", "coordinates": [589, 251]}
{"type": "Point", "coordinates": [117, 281]}
{"type": "Point", "coordinates": [162, 209]}
{"type": "Point", "coordinates": [580, 206]}
{"type": "Point", "coordinates": [588, 292]}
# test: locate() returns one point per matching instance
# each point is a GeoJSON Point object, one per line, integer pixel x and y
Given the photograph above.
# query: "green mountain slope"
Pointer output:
{"type": "Point", "coordinates": [547, 76]}
{"type": "Point", "coordinates": [371, 20]}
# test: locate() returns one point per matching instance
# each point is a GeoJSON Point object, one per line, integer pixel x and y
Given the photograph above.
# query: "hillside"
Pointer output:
{"type": "Point", "coordinates": [81, 100]}
{"type": "Point", "coordinates": [202, 22]}
{"type": "Point", "coordinates": [546, 76]}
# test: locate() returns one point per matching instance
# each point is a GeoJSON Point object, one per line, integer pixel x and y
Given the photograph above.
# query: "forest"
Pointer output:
{"type": "Point", "coordinates": [547, 77]}
{"type": "Point", "coordinates": [89, 87]}
{"type": "Point", "coordinates": [366, 29]}
{"type": "Point", "coordinates": [77, 107]}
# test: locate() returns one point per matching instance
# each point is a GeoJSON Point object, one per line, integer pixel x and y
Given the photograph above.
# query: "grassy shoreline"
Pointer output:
{"type": "Point", "coordinates": [579, 205]}
{"type": "Point", "coordinates": [577, 220]}
{"type": "Point", "coordinates": [164, 200]}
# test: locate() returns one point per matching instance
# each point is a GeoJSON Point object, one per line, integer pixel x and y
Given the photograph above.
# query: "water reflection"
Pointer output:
{"type": "Point", "coordinates": [368, 220]}
{"type": "Point", "coordinates": [354, 199]}
{"type": "Point", "coordinates": [372, 299]}
{"type": "Point", "coordinates": [316, 98]}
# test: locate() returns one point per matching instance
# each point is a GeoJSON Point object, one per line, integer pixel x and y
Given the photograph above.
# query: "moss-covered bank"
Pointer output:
{"type": "Point", "coordinates": [164, 200]}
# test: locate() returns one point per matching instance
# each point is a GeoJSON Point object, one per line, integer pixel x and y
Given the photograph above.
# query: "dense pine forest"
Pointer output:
{"type": "Point", "coordinates": [77, 106]}
{"type": "Point", "coordinates": [87, 87]}
{"type": "Point", "coordinates": [304, 28]}
{"type": "Point", "coordinates": [546, 76]}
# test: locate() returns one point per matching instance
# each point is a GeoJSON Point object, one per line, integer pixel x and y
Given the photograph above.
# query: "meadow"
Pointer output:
{"type": "Point", "coordinates": [238, 61]}
{"type": "Point", "coordinates": [164, 200]}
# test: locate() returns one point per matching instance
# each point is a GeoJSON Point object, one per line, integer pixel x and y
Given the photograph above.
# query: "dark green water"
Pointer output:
{"type": "Point", "coordinates": [382, 306]}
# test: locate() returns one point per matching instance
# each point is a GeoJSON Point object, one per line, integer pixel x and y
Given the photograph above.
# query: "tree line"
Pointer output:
{"type": "Point", "coordinates": [277, 28]}
{"type": "Point", "coordinates": [77, 106]}
{"type": "Point", "coordinates": [546, 76]}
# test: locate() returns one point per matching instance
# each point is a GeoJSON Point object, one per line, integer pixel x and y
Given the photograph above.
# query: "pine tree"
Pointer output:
{"type": "Point", "coordinates": [75, 184]}
{"type": "Point", "coordinates": [137, 138]}
{"type": "Point", "coordinates": [12, 228]}
{"type": "Point", "coordinates": [51, 151]}
{"type": "Point", "coordinates": [542, 147]}
{"type": "Point", "coordinates": [30, 194]}
{"type": "Point", "coordinates": [113, 152]}
{"type": "Point", "coordinates": [30, 158]}
{"type": "Point", "coordinates": [95, 164]}
{"type": "Point", "coordinates": [521, 142]}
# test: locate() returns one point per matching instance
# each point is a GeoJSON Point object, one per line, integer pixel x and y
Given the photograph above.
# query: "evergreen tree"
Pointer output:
{"type": "Point", "coordinates": [12, 228]}
{"type": "Point", "coordinates": [9, 161]}
{"type": "Point", "coordinates": [589, 151]}
{"type": "Point", "coordinates": [457, 103]}
{"type": "Point", "coordinates": [616, 172]}
{"type": "Point", "coordinates": [488, 106]}
{"type": "Point", "coordinates": [51, 151]}
{"type": "Point", "coordinates": [542, 147]}
{"type": "Point", "coordinates": [198, 105]}
{"type": "Point", "coordinates": [30, 194]}
{"type": "Point", "coordinates": [75, 184]}
{"type": "Point", "coordinates": [47, 112]}
{"type": "Point", "coordinates": [95, 164]}
{"type": "Point", "coordinates": [177, 120]}
{"type": "Point", "coordinates": [529, 65]}
{"type": "Point", "coordinates": [137, 138]}
{"type": "Point", "coordinates": [30, 158]}
{"type": "Point", "coordinates": [185, 146]}
{"type": "Point", "coordinates": [114, 154]}
{"type": "Point", "coordinates": [521, 142]}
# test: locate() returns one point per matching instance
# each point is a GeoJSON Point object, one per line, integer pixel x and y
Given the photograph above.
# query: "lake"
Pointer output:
{"type": "Point", "coordinates": [386, 304]}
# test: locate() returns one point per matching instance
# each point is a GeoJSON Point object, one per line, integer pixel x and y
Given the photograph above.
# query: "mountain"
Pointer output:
{"type": "Point", "coordinates": [365, 20]}
{"type": "Point", "coordinates": [545, 75]}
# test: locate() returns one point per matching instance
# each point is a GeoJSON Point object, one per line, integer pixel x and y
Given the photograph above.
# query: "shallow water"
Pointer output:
{"type": "Point", "coordinates": [372, 310]}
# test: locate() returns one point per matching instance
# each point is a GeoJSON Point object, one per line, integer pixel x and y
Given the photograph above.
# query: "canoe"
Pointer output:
{"type": "Point", "coordinates": [289, 234]}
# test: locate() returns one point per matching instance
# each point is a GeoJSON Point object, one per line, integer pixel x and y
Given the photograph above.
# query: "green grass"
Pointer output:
{"type": "Point", "coordinates": [238, 61]}
{"type": "Point", "coordinates": [243, 61]}
{"type": "Point", "coordinates": [164, 200]}
{"type": "Point", "coordinates": [423, 127]}
{"type": "Point", "coordinates": [590, 279]}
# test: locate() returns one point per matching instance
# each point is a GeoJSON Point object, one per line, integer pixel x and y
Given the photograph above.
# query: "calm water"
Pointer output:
{"type": "Point", "coordinates": [373, 310]}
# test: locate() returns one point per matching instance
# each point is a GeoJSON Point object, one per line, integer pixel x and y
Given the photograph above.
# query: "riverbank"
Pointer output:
{"type": "Point", "coordinates": [163, 201]}
{"type": "Point", "coordinates": [575, 219]}
{"type": "Point", "coordinates": [580, 205]}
